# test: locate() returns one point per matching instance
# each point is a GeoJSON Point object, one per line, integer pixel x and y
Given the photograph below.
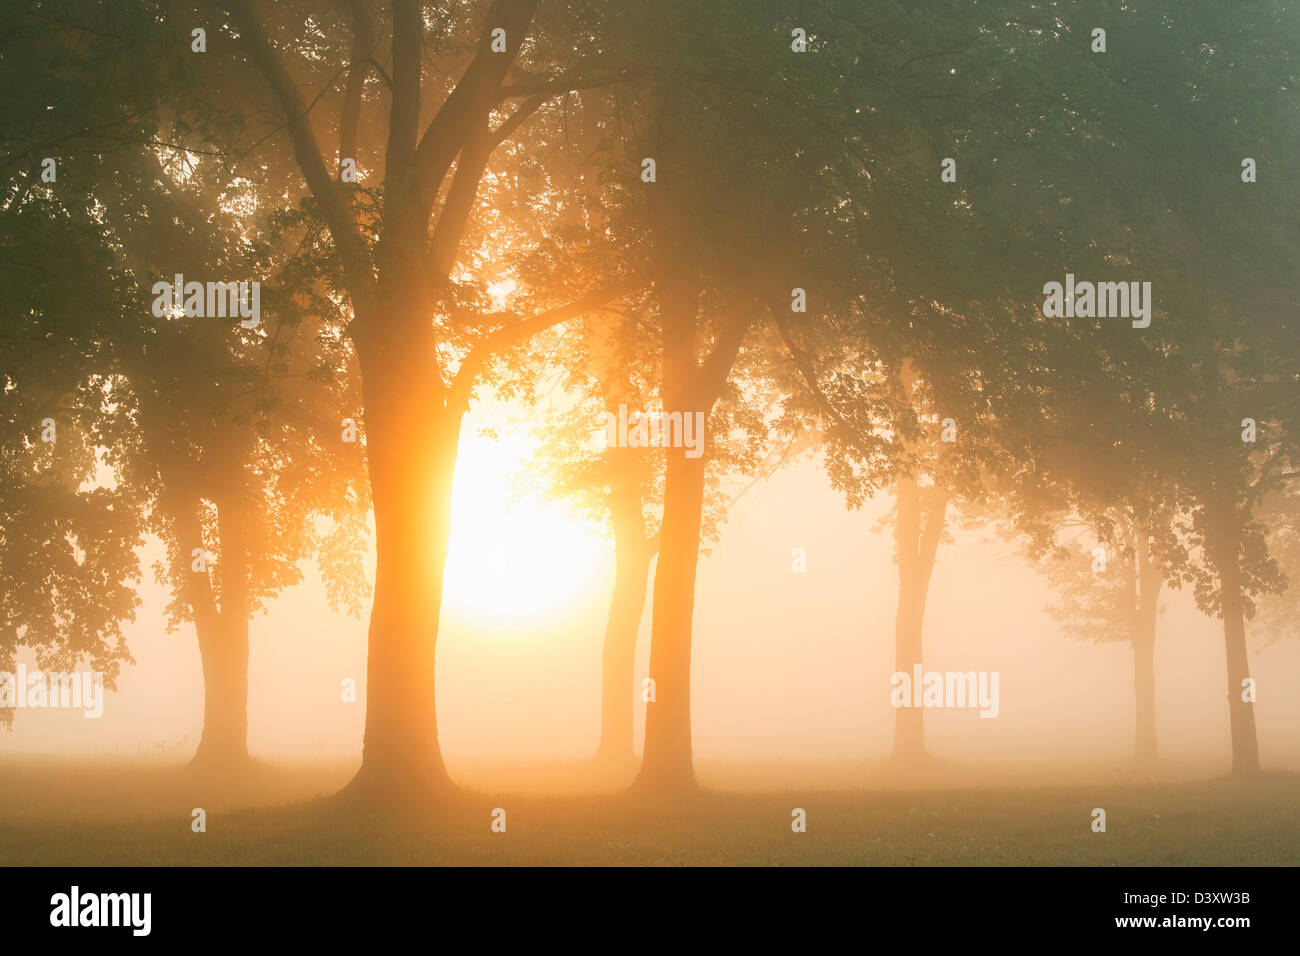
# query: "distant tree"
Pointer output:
{"type": "Point", "coordinates": [1110, 588]}
{"type": "Point", "coordinates": [68, 532]}
{"type": "Point", "coordinates": [224, 441]}
{"type": "Point", "coordinates": [611, 371]}
{"type": "Point", "coordinates": [617, 487]}
{"type": "Point", "coordinates": [1138, 173]}
{"type": "Point", "coordinates": [247, 436]}
{"type": "Point", "coordinates": [1277, 615]}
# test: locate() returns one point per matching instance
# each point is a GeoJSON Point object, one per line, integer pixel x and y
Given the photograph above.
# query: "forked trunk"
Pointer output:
{"type": "Point", "coordinates": [222, 631]}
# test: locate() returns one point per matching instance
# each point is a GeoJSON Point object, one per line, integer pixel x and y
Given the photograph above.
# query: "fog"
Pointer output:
{"type": "Point", "coordinates": [791, 670]}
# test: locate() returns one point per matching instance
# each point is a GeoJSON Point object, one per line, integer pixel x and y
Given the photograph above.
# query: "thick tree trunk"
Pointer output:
{"type": "Point", "coordinates": [667, 760]}
{"type": "Point", "coordinates": [411, 444]}
{"type": "Point", "coordinates": [632, 556]}
{"type": "Point", "coordinates": [1226, 548]}
{"type": "Point", "coordinates": [412, 418]}
{"type": "Point", "coordinates": [222, 632]}
{"type": "Point", "coordinates": [223, 645]}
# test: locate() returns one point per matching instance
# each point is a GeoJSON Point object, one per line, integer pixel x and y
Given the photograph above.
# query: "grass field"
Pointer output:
{"type": "Point", "coordinates": [139, 814]}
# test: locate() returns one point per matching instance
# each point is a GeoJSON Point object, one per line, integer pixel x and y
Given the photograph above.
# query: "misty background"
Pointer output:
{"type": "Point", "coordinates": [787, 667]}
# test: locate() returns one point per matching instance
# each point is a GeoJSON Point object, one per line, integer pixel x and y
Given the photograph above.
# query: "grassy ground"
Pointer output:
{"type": "Point", "coordinates": [51, 814]}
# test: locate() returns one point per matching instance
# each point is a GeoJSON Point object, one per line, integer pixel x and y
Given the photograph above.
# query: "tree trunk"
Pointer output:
{"type": "Point", "coordinates": [412, 416]}
{"type": "Point", "coordinates": [411, 445]}
{"type": "Point", "coordinates": [632, 556]}
{"type": "Point", "coordinates": [667, 760]}
{"type": "Point", "coordinates": [222, 631]}
{"type": "Point", "coordinates": [1150, 581]}
{"type": "Point", "coordinates": [916, 531]}
{"type": "Point", "coordinates": [1226, 550]}
{"type": "Point", "coordinates": [909, 722]}
{"type": "Point", "coordinates": [223, 645]}
{"type": "Point", "coordinates": [1144, 688]}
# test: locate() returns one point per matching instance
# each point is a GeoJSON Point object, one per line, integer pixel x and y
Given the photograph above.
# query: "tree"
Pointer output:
{"type": "Point", "coordinates": [69, 532]}
{"type": "Point", "coordinates": [199, 430]}
{"type": "Point", "coordinates": [1214, 243]}
{"type": "Point", "coordinates": [618, 486]}
{"type": "Point", "coordinates": [410, 321]}
{"type": "Point", "coordinates": [69, 536]}
{"type": "Point", "coordinates": [1112, 592]}
{"type": "Point", "coordinates": [903, 371]}
{"type": "Point", "coordinates": [241, 444]}
{"type": "Point", "coordinates": [621, 486]}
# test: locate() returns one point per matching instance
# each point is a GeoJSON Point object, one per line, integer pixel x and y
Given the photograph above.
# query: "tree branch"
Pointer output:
{"type": "Point", "coordinates": [471, 100]}
{"type": "Point", "coordinates": [837, 424]}
{"type": "Point", "coordinates": [571, 81]}
{"type": "Point", "coordinates": [510, 335]}
{"type": "Point", "coordinates": [474, 156]}
{"type": "Point", "coordinates": [717, 365]}
{"type": "Point", "coordinates": [363, 44]}
{"type": "Point", "coordinates": [338, 214]}
{"type": "Point", "coordinates": [404, 114]}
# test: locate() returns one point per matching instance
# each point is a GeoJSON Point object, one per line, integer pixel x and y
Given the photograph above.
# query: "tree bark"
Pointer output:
{"type": "Point", "coordinates": [917, 531]}
{"type": "Point", "coordinates": [667, 762]}
{"type": "Point", "coordinates": [909, 722]}
{"type": "Point", "coordinates": [632, 556]}
{"type": "Point", "coordinates": [1144, 687]}
{"type": "Point", "coordinates": [223, 646]}
{"type": "Point", "coordinates": [1226, 550]}
{"type": "Point", "coordinates": [222, 631]}
{"type": "Point", "coordinates": [1150, 581]}
{"type": "Point", "coordinates": [411, 446]}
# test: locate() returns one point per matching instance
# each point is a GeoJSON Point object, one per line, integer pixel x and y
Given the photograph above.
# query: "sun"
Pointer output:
{"type": "Point", "coordinates": [513, 560]}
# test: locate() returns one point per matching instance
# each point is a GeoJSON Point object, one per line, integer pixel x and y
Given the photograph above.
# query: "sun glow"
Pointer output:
{"type": "Point", "coordinates": [514, 558]}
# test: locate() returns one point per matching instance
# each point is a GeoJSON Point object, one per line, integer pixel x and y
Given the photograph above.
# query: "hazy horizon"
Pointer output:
{"type": "Point", "coordinates": [786, 665]}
